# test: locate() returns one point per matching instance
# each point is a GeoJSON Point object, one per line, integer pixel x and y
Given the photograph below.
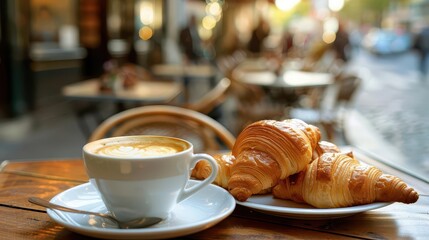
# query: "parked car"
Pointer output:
{"type": "Point", "coordinates": [385, 41]}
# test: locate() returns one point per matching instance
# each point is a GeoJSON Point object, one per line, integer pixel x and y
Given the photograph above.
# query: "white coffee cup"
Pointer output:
{"type": "Point", "coordinates": [143, 176]}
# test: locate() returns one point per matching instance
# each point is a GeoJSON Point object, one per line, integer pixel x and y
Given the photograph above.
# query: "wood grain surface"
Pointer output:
{"type": "Point", "coordinates": [23, 220]}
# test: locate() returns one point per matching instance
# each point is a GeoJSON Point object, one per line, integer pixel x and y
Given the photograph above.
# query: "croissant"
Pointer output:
{"type": "Point", "coordinates": [224, 161]}
{"type": "Point", "coordinates": [324, 147]}
{"type": "Point", "coordinates": [338, 180]}
{"type": "Point", "coordinates": [267, 151]}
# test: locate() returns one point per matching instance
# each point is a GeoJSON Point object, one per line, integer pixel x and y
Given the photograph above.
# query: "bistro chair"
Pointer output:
{"type": "Point", "coordinates": [212, 99]}
{"type": "Point", "coordinates": [330, 112]}
{"type": "Point", "coordinates": [254, 104]}
{"type": "Point", "coordinates": [206, 134]}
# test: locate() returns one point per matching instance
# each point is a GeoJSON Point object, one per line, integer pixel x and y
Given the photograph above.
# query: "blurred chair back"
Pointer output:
{"type": "Point", "coordinates": [331, 112]}
{"type": "Point", "coordinates": [348, 85]}
{"type": "Point", "coordinates": [347, 88]}
{"type": "Point", "coordinates": [212, 99]}
{"type": "Point", "coordinates": [253, 104]}
{"type": "Point", "coordinates": [206, 134]}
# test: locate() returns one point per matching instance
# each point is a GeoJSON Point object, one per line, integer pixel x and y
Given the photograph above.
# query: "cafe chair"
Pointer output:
{"type": "Point", "coordinates": [226, 64]}
{"type": "Point", "coordinates": [206, 134]}
{"type": "Point", "coordinates": [329, 113]}
{"type": "Point", "coordinates": [253, 104]}
{"type": "Point", "coordinates": [214, 98]}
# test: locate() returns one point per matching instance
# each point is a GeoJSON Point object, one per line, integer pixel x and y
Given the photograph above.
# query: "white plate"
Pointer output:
{"type": "Point", "coordinates": [202, 210]}
{"type": "Point", "coordinates": [289, 209]}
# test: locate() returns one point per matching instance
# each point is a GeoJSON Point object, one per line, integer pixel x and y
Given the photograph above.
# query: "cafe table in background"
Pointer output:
{"type": "Point", "coordinates": [283, 84]}
{"type": "Point", "coordinates": [144, 92]}
{"type": "Point", "coordinates": [259, 219]}
{"type": "Point", "coordinates": [86, 95]}
{"type": "Point", "coordinates": [186, 73]}
{"type": "Point", "coordinates": [289, 79]}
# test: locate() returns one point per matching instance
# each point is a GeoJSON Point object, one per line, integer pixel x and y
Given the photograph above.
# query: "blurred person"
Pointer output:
{"type": "Point", "coordinates": [287, 42]}
{"type": "Point", "coordinates": [341, 44]}
{"type": "Point", "coordinates": [259, 34]}
{"type": "Point", "coordinates": [422, 45]}
{"type": "Point", "coordinates": [190, 41]}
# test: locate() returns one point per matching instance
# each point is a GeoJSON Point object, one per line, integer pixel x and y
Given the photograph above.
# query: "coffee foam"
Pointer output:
{"type": "Point", "coordinates": [136, 149]}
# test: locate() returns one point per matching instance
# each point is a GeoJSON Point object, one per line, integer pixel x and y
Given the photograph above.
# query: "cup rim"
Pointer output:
{"type": "Point", "coordinates": [86, 146]}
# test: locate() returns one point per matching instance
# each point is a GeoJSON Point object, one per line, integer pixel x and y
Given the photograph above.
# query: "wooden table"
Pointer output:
{"type": "Point", "coordinates": [182, 70]}
{"type": "Point", "coordinates": [289, 79]}
{"type": "Point", "coordinates": [289, 86]}
{"type": "Point", "coordinates": [46, 178]}
{"type": "Point", "coordinates": [86, 96]}
{"type": "Point", "coordinates": [186, 72]}
{"type": "Point", "coordinates": [144, 92]}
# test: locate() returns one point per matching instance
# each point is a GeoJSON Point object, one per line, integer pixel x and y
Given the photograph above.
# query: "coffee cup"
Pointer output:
{"type": "Point", "coordinates": [143, 176]}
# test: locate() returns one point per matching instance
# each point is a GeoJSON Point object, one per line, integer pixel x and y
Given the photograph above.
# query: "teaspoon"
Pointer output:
{"type": "Point", "coordinates": [135, 223]}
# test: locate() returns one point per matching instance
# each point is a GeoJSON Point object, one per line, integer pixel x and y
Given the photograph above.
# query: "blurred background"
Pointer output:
{"type": "Point", "coordinates": [46, 45]}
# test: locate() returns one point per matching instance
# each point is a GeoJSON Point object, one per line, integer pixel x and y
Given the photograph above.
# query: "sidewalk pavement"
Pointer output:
{"type": "Point", "coordinates": [391, 118]}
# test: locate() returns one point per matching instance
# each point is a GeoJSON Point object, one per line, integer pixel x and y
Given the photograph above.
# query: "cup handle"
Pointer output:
{"type": "Point", "coordinates": [187, 192]}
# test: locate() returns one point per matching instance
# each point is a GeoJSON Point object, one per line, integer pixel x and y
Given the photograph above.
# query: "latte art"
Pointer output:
{"type": "Point", "coordinates": [138, 150]}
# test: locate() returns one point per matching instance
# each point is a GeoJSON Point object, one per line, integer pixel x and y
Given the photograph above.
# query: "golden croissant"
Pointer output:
{"type": "Point", "coordinates": [267, 151]}
{"type": "Point", "coordinates": [324, 147]}
{"type": "Point", "coordinates": [224, 162]}
{"type": "Point", "coordinates": [203, 169]}
{"type": "Point", "coordinates": [338, 180]}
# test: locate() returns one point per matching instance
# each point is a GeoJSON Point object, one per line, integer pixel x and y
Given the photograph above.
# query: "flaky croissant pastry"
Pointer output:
{"type": "Point", "coordinates": [324, 147]}
{"type": "Point", "coordinates": [203, 169]}
{"type": "Point", "coordinates": [224, 161]}
{"type": "Point", "coordinates": [338, 180]}
{"type": "Point", "coordinates": [267, 151]}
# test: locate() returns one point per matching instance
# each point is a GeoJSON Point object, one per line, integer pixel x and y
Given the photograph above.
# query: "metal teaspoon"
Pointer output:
{"type": "Point", "coordinates": [135, 223]}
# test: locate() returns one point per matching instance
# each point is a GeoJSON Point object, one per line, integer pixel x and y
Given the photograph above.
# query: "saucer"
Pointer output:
{"type": "Point", "coordinates": [202, 210]}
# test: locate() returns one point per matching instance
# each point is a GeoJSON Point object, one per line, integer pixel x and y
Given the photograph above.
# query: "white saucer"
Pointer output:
{"type": "Point", "coordinates": [202, 210]}
{"type": "Point", "coordinates": [289, 209]}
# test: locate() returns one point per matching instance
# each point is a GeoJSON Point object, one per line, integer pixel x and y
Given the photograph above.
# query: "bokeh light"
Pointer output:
{"type": "Point", "coordinates": [286, 5]}
{"type": "Point", "coordinates": [204, 33]}
{"type": "Point", "coordinates": [331, 24]}
{"type": "Point", "coordinates": [146, 13]}
{"type": "Point", "coordinates": [145, 33]}
{"type": "Point", "coordinates": [328, 37]}
{"type": "Point", "coordinates": [208, 22]}
{"type": "Point", "coordinates": [213, 9]}
{"type": "Point", "coordinates": [336, 5]}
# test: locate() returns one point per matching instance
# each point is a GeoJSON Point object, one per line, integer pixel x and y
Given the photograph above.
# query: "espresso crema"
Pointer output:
{"type": "Point", "coordinates": [140, 149]}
